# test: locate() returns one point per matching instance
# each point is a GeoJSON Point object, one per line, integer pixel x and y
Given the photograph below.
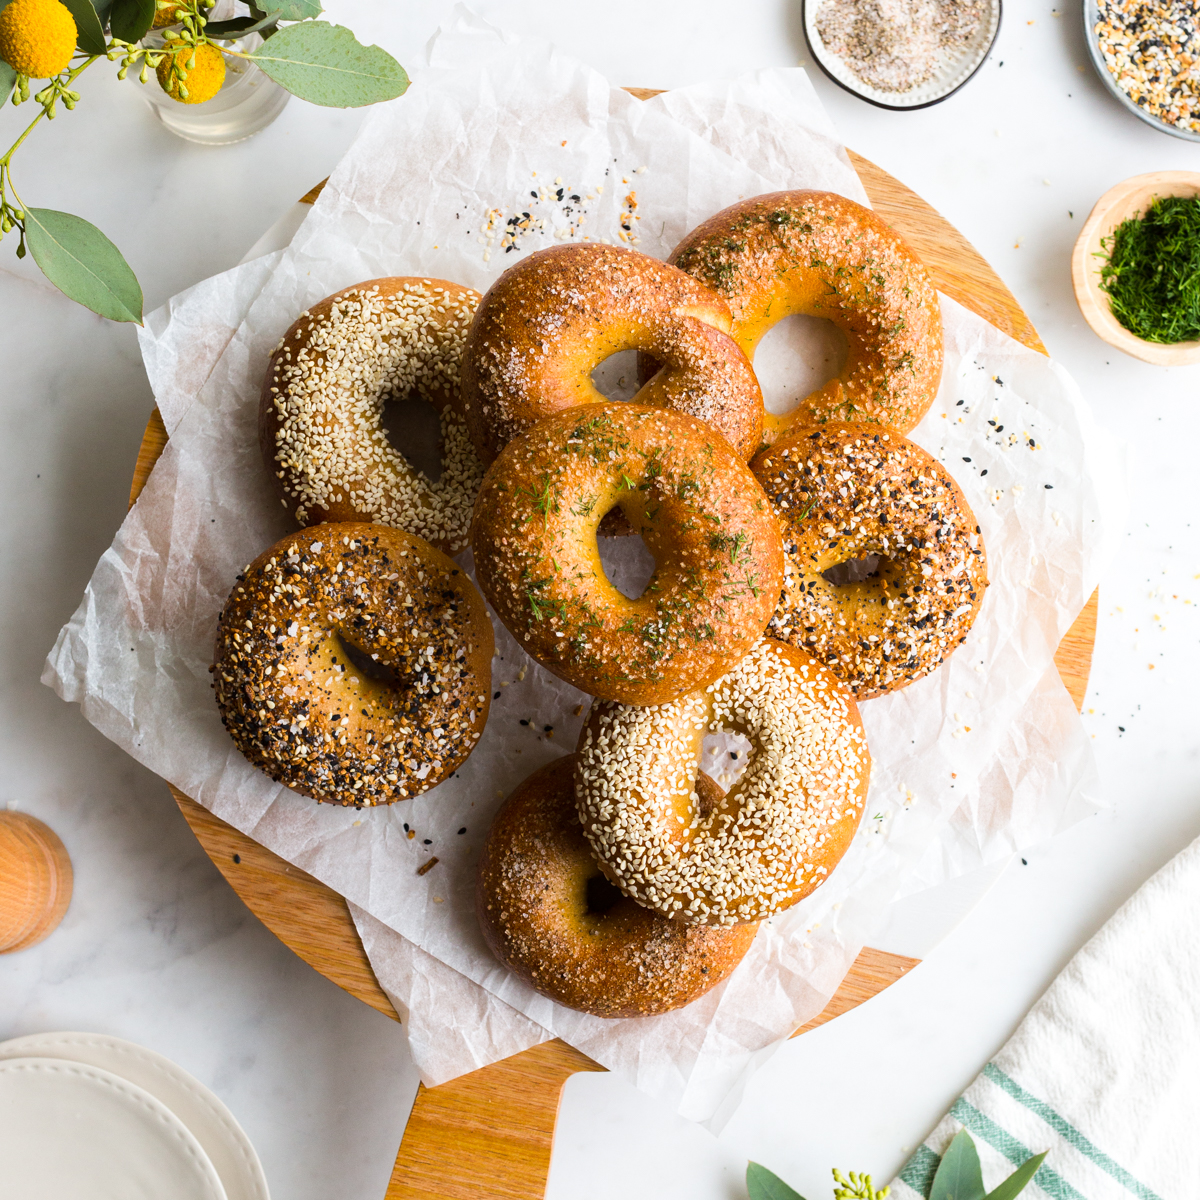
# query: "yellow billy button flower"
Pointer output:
{"type": "Point", "coordinates": [165, 14]}
{"type": "Point", "coordinates": [37, 37]}
{"type": "Point", "coordinates": [195, 83]}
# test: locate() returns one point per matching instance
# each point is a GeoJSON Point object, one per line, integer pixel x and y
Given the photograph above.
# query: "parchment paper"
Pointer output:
{"type": "Point", "coordinates": [984, 756]}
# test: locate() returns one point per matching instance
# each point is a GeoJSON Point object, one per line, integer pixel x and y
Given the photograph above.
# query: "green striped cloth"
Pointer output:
{"type": "Point", "coordinates": [1104, 1072]}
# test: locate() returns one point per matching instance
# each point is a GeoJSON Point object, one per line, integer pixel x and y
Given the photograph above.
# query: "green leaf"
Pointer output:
{"type": "Point", "coordinates": [240, 26]}
{"type": "Point", "coordinates": [102, 7]}
{"type": "Point", "coordinates": [81, 262]}
{"type": "Point", "coordinates": [1015, 1183]}
{"type": "Point", "coordinates": [299, 10]}
{"type": "Point", "coordinates": [958, 1175]}
{"type": "Point", "coordinates": [8, 81]}
{"type": "Point", "coordinates": [324, 64]}
{"type": "Point", "coordinates": [762, 1184]}
{"type": "Point", "coordinates": [130, 20]}
{"type": "Point", "coordinates": [87, 26]}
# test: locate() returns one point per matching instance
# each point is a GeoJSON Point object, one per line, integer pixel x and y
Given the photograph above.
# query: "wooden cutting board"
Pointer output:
{"type": "Point", "coordinates": [489, 1134]}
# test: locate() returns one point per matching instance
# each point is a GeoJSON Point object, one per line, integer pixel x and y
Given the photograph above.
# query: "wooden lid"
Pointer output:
{"type": "Point", "coordinates": [35, 881]}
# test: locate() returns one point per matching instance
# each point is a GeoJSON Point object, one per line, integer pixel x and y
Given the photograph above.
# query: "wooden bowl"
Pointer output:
{"type": "Point", "coordinates": [35, 881]}
{"type": "Point", "coordinates": [1128, 199]}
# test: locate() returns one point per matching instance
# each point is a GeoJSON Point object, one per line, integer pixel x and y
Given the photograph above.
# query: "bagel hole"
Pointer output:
{"type": "Point", "coordinates": [724, 757]}
{"type": "Point", "coordinates": [414, 428]}
{"type": "Point", "coordinates": [601, 896]}
{"type": "Point", "coordinates": [628, 563]}
{"type": "Point", "coordinates": [853, 570]}
{"type": "Point", "coordinates": [796, 356]}
{"type": "Point", "coordinates": [365, 665]}
{"type": "Point", "coordinates": [616, 378]}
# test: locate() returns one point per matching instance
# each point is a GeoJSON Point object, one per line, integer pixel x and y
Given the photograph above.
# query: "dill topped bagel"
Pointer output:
{"type": "Point", "coordinates": [820, 254]}
{"type": "Point", "coordinates": [701, 514]}
{"type": "Point", "coordinates": [353, 664]}
{"type": "Point", "coordinates": [550, 916]}
{"type": "Point", "coordinates": [321, 412]}
{"type": "Point", "coordinates": [767, 842]}
{"type": "Point", "coordinates": [548, 322]}
{"type": "Point", "coordinates": [853, 494]}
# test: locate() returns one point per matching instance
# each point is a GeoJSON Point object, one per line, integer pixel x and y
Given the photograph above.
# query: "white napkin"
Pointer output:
{"type": "Point", "coordinates": [1102, 1071]}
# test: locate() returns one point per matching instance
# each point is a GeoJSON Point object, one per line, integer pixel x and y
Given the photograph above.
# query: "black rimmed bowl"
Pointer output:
{"type": "Point", "coordinates": [953, 70]}
{"type": "Point", "coordinates": [1091, 16]}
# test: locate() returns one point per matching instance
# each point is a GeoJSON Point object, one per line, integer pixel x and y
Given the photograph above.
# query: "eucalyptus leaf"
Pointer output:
{"type": "Point", "coordinates": [299, 10]}
{"type": "Point", "coordinates": [8, 81]}
{"type": "Point", "coordinates": [90, 35]}
{"type": "Point", "coordinates": [102, 7]}
{"type": "Point", "coordinates": [326, 65]}
{"type": "Point", "coordinates": [81, 262]}
{"type": "Point", "coordinates": [762, 1184]}
{"type": "Point", "coordinates": [1016, 1182]}
{"type": "Point", "coordinates": [958, 1175]}
{"type": "Point", "coordinates": [241, 26]}
{"type": "Point", "coordinates": [130, 20]}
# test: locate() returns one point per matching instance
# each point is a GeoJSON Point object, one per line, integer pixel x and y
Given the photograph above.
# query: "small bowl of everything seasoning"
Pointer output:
{"type": "Point", "coordinates": [1145, 53]}
{"type": "Point", "coordinates": [1136, 267]}
{"type": "Point", "coordinates": [901, 54]}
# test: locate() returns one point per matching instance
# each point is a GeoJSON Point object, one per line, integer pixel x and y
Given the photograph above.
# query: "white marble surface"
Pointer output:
{"type": "Point", "coordinates": [156, 948]}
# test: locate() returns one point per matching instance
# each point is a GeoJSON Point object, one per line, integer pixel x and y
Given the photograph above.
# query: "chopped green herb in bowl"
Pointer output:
{"type": "Point", "coordinates": [1152, 276]}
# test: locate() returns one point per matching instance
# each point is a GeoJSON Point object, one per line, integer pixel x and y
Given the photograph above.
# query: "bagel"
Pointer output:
{"type": "Point", "coordinates": [850, 493]}
{"type": "Point", "coordinates": [353, 664]}
{"type": "Point", "coordinates": [701, 513]}
{"type": "Point", "coordinates": [820, 254]}
{"type": "Point", "coordinates": [320, 414]}
{"type": "Point", "coordinates": [548, 322]}
{"type": "Point", "coordinates": [773, 837]}
{"type": "Point", "coordinates": [548, 914]}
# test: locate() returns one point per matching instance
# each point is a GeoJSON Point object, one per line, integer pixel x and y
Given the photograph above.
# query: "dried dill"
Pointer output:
{"type": "Point", "coordinates": [1152, 275]}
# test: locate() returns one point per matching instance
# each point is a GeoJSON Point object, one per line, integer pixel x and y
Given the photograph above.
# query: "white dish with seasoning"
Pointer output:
{"type": "Point", "coordinates": [952, 69]}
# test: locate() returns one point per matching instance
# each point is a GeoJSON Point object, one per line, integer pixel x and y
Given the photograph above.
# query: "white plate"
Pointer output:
{"type": "Point", "coordinates": [209, 1121]}
{"type": "Point", "coordinates": [952, 72]}
{"type": "Point", "coordinates": [69, 1131]}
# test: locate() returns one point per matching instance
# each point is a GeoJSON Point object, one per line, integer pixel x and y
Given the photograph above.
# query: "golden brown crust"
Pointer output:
{"type": "Point", "coordinates": [353, 664]}
{"type": "Point", "coordinates": [532, 899]}
{"type": "Point", "coordinates": [320, 414]}
{"type": "Point", "coordinates": [548, 322]}
{"type": "Point", "coordinates": [821, 254]}
{"type": "Point", "coordinates": [773, 837]}
{"type": "Point", "coordinates": [701, 514]}
{"type": "Point", "coordinates": [844, 492]}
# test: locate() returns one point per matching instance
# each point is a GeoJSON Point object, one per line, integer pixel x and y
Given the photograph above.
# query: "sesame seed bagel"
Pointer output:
{"type": "Point", "coordinates": [548, 322]}
{"type": "Point", "coordinates": [701, 514]}
{"type": "Point", "coordinates": [820, 254]}
{"type": "Point", "coordinates": [779, 830]}
{"type": "Point", "coordinates": [551, 917]}
{"type": "Point", "coordinates": [320, 418]}
{"type": "Point", "coordinates": [848, 493]}
{"type": "Point", "coordinates": [353, 664]}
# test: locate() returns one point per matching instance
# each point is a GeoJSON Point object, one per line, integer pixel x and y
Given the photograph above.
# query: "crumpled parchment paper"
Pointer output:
{"type": "Point", "coordinates": [503, 146]}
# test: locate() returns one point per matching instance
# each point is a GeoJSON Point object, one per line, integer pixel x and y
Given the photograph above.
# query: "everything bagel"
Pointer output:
{"type": "Point", "coordinates": [850, 493]}
{"type": "Point", "coordinates": [353, 664]}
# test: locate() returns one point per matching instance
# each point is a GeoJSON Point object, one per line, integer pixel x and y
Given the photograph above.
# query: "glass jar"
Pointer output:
{"type": "Point", "coordinates": [247, 102]}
